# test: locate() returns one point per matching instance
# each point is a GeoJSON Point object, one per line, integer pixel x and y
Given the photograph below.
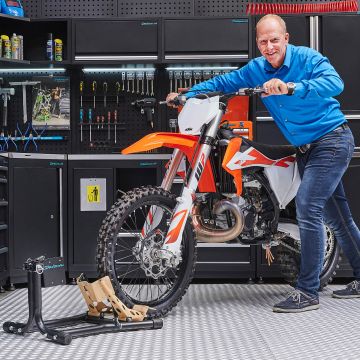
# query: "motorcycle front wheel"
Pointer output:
{"type": "Point", "coordinates": [127, 253]}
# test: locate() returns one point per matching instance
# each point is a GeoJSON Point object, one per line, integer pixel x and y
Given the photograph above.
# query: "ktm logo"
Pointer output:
{"type": "Point", "coordinates": [188, 129]}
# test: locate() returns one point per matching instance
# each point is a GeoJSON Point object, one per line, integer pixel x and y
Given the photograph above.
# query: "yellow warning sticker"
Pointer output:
{"type": "Point", "coordinates": [93, 193]}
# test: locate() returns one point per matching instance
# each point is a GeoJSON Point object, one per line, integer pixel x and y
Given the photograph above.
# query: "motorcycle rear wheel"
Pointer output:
{"type": "Point", "coordinates": [290, 261]}
{"type": "Point", "coordinates": [138, 277]}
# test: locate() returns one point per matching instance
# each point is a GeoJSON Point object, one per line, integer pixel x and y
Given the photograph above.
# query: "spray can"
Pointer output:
{"type": "Point", "coordinates": [21, 47]}
{"type": "Point", "coordinates": [15, 49]}
{"type": "Point", "coordinates": [50, 47]}
{"type": "Point", "coordinates": [6, 46]}
{"type": "Point", "coordinates": [58, 49]}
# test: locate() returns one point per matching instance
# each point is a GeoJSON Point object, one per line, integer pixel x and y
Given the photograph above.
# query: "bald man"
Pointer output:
{"type": "Point", "coordinates": [300, 84]}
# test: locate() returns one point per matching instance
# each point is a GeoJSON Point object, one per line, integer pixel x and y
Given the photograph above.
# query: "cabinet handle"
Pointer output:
{"type": "Point", "coordinates": [352, 117]}
{"type": "Point", "coordinates": [61, 213]}
{"type": "Point", "coordinates": [114, 57]}
{"type": "Point", "coordinates": [206, 56]}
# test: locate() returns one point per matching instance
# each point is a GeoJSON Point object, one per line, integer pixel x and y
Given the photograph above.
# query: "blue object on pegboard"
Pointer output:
{"type": "Point", "coordinates": [12, 7]}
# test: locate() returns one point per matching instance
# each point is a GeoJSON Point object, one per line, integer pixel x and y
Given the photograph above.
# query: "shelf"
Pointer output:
{"type": "Point", "coordinates": [13, 61]}
{"type": "Point", "coordinates": [15, 18]}
{"type": "Point", "coordinates": [47, 62]}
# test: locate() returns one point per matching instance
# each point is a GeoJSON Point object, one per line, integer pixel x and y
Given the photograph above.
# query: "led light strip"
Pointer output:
{"type": "Point", "coordinates": [202, 68]}
{"type": "Point", "coordinates": [48, 70]}
{"type": "Point", "coordinates": [109, 70]}
{"type": "Point", "coordinates": [114, 57]}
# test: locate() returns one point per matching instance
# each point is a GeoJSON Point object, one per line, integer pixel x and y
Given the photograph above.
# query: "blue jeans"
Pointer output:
{"type": "Point", "coordinates": [321, 199]}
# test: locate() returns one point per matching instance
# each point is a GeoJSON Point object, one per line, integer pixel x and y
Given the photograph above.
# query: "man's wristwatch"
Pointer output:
{"type": "Point", "coordinates": [291, 88]}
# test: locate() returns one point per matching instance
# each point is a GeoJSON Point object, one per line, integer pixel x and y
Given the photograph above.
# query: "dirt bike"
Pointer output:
{"type": "Point", "coordinates": [234, 189]}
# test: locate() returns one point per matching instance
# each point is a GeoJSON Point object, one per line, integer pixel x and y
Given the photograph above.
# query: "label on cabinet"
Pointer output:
{"type": "Point", "coordinates": [93, 194]}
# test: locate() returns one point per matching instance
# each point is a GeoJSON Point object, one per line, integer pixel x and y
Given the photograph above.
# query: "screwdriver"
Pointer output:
{"type": "Point", "coordinates": [109, 119]}
{"type": "Point", "coordinates": [98, 122]}
{"type": "Point", "coordinates": [94, 85]}
{"type": "Point", "coordinates": [81, 123]}
{"type": "Point", "coordinates": [81, 92]}
{"type": "Point", "coordinates": [115, 122]}
{"type": "Point", "coordinates": [105, 88]}
{"type": "Point", "coordinates": [102, 121]}
{"type": "Point", "coordinates": [90, 115]}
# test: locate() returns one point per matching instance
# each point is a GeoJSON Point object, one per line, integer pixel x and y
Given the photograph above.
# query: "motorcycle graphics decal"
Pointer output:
{"type": "Point", "coordinates": [173, 234]}
{"type": "Point", "coordinates": [253, 157]}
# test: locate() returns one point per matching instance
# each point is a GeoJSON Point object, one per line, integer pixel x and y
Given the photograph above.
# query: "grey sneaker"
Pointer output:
{"type": "Point", "coordinates": [351, 291]}
{"type": "Point", "coordinates": [297, 301]}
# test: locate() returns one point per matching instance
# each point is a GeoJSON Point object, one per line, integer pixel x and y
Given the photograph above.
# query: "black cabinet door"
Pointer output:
{"type": "Point", "coordinates": [97, 37]}
{"type": "Point", "coordinates": [85, 224]}
{"type": "Point", "coordinates": [340, 43]}
{"type": "Point", "coordinates": [216, 39]}
{"type": "Point", "coordinates": [35, 216]}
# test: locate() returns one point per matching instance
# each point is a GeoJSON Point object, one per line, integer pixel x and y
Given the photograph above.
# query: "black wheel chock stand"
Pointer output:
{"type": "Point", "coordinates": [99, 324]}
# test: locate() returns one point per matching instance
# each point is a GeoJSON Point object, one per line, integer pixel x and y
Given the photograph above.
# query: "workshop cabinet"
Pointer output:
{"type": "Point", "coordinates": [4, 248]}
{"type": "Point", "coordinates": [115, 40]}
{"type": "Point", "coordinates": [35, 35]}
{"type": "Point", "coordinates": [37, 198]}
{"type": "Point", "coordinates": [206, 39]}
{"type": "Point", "coordinates": [119, 174]}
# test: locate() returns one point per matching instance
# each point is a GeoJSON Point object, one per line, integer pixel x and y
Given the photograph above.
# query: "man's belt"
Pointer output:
{"type": "Point", "coordinates": [304, 148]}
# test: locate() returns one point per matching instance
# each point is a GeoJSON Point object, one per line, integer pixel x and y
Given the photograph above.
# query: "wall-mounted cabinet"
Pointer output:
{"type": "Point", "coordinates": [35, 36]}
{"type": "Point", "coordinates": [199, 39]}
{"type": "Point", "coordinates": [109, 41]}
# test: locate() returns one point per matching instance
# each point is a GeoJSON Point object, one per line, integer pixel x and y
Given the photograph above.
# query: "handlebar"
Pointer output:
{"type": "Point", "coordinates": [181, 99]}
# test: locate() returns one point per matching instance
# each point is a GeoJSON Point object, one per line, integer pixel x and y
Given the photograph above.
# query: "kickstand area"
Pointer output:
{"type": "Point", "coordinates": [99, 319]}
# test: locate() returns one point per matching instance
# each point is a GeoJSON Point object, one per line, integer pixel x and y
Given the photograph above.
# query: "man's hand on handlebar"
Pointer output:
{"type": "Point", "coordinates": [275, 87]}
{"type": "Point", "coordinates": [171, 100]}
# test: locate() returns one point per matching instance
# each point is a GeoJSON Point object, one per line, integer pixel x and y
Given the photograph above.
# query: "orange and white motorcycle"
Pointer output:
{"type": "Point", "coordinates": [234, 190]}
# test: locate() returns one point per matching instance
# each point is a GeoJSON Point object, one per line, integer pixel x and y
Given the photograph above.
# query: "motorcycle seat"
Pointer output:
{"type": "Point", "coordinates": [273, 152]}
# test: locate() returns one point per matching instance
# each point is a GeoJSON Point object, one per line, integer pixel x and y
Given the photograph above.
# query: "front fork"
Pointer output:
{"type": "Point", "coordinates": [171, 250]}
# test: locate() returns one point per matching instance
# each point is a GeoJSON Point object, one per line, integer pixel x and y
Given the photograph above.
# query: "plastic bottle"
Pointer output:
{"type": "Point", "coordinates": [6, 45]}
{"type": "Point", "coordinates": [50, 47]}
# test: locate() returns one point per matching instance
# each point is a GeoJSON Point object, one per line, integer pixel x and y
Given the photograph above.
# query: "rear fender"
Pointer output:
{"type": "Point", "coordinates": [185, 143]}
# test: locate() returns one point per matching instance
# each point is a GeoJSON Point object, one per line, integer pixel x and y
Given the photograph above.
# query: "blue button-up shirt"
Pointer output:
{"type": "Point", "coordinates": [303, 117]}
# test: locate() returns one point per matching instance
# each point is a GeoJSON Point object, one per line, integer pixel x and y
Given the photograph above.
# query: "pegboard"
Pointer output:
{"type": "Point", "coordinates": [220, 8]}
{"type": "Point", "coordinates": [16, 125]}
{"type": "Point", "coordinates": [32, 8]}
{"type": "Point", "coordinates": [153, 8]}
{"type": "Point", "coordinates": [79, 8]}
{"type": "Point", "coordinates": [131, 124]}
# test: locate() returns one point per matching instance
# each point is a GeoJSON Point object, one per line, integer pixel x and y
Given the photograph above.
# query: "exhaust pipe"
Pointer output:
{"type": "Point", "coordinates": [210, 235]}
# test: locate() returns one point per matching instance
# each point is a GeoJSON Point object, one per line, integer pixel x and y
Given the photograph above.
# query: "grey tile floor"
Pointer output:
{"type": "Point", "coordinates": [213, 321]}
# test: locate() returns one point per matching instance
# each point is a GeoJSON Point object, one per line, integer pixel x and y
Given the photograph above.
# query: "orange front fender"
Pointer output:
{"type": "Point", "coordinates": [160, 139]}
{"type": "Point", "coordinates": [185, 143]}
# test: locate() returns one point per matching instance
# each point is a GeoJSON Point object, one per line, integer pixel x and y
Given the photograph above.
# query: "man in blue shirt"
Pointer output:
{"type": "Point", "coordinates": [300, 84]}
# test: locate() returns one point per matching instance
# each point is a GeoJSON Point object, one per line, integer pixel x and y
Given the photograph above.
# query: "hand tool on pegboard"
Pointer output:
{"type": "Point", "coordinates": [5, 96]}
{"type": "Point", "coordinates": [90, 118]}
{"type": "Point", "coordinates": [255, 8]}
{"type": "Point", "coordinates": [115, 124]}
{"type": "Point", "coordinates": [105, 90]}
{"type": "Point", "coordinates": [93, 88]}
{"type": "Point", "coordinates": [81, 123]}
{"type": "Point", "coordinates": [81, 115]}
{"type": "Point", "coordinates": [117, 89]}
{"type": "Point", "coordinates": [146, 106]}
{"type": "Point", "coordinates": [108, 121]}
